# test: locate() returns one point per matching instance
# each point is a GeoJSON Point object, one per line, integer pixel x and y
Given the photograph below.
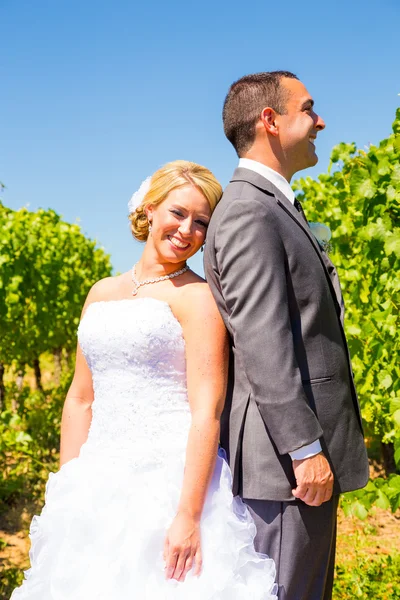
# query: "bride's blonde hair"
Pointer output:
{"type": "Point", "coordinates": [174, 175]}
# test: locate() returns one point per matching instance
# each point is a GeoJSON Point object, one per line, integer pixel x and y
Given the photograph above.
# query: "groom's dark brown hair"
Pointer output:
{"type": "Point", "coordinates": [244, 102]}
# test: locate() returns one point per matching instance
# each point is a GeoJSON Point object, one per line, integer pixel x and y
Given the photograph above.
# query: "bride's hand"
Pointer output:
{"type": "Point", "coordinates": [182, 547]}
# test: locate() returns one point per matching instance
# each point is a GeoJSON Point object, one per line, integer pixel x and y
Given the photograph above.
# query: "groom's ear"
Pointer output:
{"type": "Point", "coordinates": [269, 121]}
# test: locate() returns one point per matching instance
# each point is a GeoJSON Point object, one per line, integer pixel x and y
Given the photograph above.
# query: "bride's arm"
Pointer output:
{"type": "Point", "coordinates": [77, 411]}
{"type": "Point", "coordinates": [207, 358]}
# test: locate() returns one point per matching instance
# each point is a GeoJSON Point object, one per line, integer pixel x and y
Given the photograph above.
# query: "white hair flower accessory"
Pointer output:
{"type": "Point", "coordinates": [137, 197]}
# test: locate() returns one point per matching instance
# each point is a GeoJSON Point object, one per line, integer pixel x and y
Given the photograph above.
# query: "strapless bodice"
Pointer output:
{"type": "Point", "coordinates": [136, 353]}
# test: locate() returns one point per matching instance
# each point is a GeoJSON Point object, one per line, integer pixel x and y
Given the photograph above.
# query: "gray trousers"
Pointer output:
{"type": "Point", "coordinates": [302, 541]}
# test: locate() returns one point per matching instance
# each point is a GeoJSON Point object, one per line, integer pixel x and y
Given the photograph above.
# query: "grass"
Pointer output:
{"type": "Point", "coordinates": [368, 557]}
{"type": "Point", "coordinates": [377, 579]}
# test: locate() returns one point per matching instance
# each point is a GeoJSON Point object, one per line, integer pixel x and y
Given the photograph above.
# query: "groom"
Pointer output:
{"type": "Point", "coordinates": [291, 425]}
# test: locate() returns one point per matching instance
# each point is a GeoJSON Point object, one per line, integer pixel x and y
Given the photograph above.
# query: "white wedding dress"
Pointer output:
{"type": "Point", "coordinates": [101, 533]}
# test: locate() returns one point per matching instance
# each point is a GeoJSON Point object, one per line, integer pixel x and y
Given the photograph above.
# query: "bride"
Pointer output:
{"type": "Point", "coordinates": [141, 507]}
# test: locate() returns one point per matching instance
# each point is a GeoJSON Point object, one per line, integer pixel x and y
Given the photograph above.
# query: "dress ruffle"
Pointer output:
{"type": "Point", "coordinates": [101, 533]}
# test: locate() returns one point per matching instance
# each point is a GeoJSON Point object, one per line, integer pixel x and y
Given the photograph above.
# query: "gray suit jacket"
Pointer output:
{"type": "Point", "coordinates": [290, 378]}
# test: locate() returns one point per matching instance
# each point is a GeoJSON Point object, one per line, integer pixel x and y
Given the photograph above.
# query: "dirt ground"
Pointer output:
{"type": "Point", "coordinates": [378, 535]}
{"type": "Point", "coordinates": [14, 539]}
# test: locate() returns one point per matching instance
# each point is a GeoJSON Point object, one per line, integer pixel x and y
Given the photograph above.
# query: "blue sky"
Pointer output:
{"type": "Point", "coordinates": [97, 95]}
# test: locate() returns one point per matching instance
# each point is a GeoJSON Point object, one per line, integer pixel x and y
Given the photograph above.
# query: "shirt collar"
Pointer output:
{"type": "Point", "coordinates": [273, 176]}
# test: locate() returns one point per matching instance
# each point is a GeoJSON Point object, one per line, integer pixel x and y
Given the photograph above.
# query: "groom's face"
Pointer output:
{"type": "Point", "coordinates": [298, 128]}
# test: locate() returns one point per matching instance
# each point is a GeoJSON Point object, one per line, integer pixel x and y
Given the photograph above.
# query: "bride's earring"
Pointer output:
{"type": "Point", "coordinates": [150, 227]}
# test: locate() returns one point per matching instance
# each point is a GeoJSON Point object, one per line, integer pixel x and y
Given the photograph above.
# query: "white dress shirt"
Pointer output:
{"type": "Point", "coordinates": [274, 177]}
{"type": "Point", "coordinates": [283, 186]}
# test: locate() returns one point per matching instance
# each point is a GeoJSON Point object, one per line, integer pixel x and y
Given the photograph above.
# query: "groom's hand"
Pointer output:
{"type": "Point", "coordinates": [314, 480]}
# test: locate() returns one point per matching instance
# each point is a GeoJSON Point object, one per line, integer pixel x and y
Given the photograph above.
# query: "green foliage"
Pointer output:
{"type": "Point", "coordinates": [359, 198]}
{"type": "Point", "coordinates": [367, 578]}
{"type": "Point", "coordinates": [11, 577]}
{"type": "Point", "coordinates": [47, 268]}
{"type": "Point", "coordinates": [29, 440]}
{"type": "Point", "coordinates": [381, 492]}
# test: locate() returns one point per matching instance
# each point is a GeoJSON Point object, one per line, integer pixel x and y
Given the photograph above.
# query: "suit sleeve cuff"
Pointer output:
{"type": "Point", "coordinates": [306, 451]}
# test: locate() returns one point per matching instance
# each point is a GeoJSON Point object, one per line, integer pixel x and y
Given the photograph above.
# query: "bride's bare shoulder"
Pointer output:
{"type": "Point", "coordinates": [196, 298]}
{"type": "Point", "coordinates": [109, 288]}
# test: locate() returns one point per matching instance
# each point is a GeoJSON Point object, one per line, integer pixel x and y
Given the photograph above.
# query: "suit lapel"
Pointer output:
{"type": "Point", "coordinates": [253, 178]}
{"type": "Point", "coordinates": [264, 185]}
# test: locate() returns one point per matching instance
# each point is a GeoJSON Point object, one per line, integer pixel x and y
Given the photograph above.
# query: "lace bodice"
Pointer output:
{"type": "Point", "coordinates": [136, 353]}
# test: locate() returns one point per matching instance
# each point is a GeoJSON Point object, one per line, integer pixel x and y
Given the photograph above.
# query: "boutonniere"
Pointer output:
{"type": "Point", "coordinates": [322, 234]}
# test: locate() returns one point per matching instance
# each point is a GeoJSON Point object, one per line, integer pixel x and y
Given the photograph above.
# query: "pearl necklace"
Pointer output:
{"type": "Point", "coordinates": [139, 284]}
